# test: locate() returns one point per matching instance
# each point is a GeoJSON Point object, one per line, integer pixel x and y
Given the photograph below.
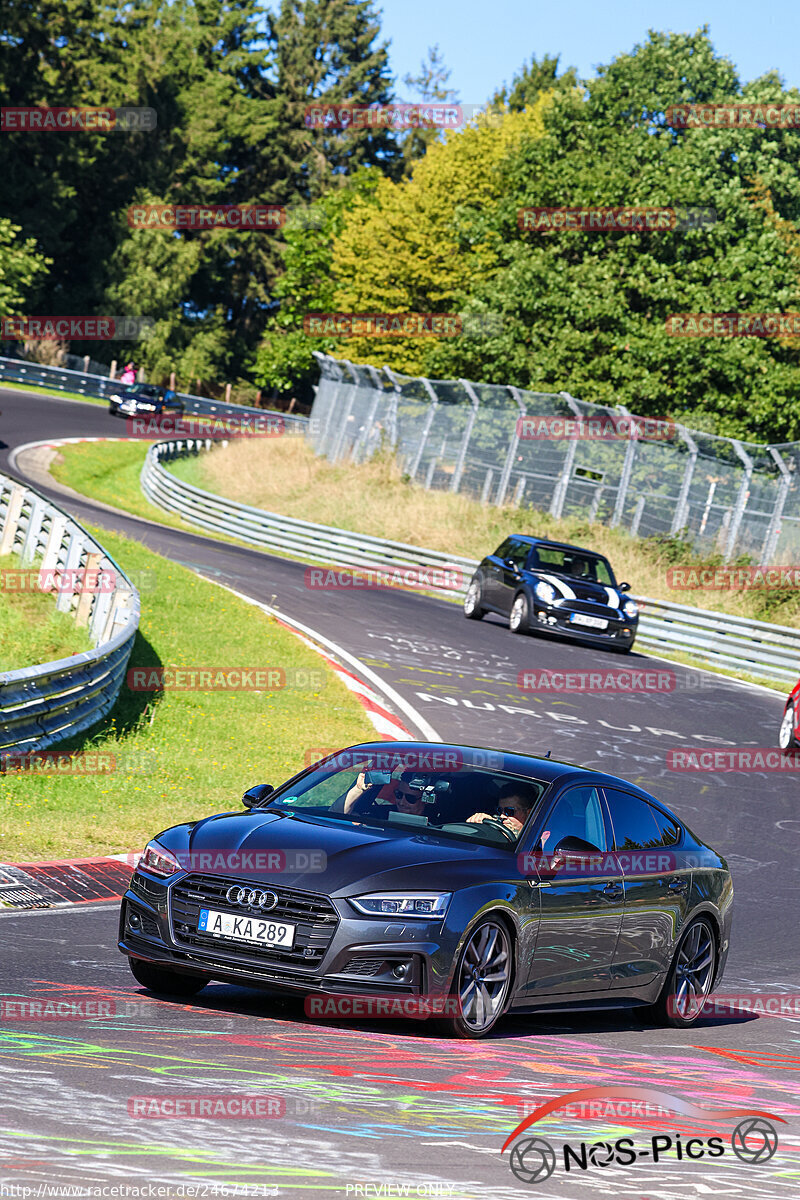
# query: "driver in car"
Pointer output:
{"type": "Point", "coordinates": [514, 804]}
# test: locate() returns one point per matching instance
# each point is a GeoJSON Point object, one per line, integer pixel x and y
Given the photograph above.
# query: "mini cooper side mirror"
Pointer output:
{"type": "Point", "coordinates": [623, 587]}
{"type": "Point", "coordinates": [254, 795]}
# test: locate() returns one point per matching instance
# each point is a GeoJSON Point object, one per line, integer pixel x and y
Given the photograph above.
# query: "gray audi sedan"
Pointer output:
{"type": "Point", "coordinates": [465, 883]}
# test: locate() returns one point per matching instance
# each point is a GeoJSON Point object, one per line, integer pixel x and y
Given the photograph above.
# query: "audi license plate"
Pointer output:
{"type": "Point", "coordinates": [245, 929]}
{"type": "Point", "coordinates": [590, 622]}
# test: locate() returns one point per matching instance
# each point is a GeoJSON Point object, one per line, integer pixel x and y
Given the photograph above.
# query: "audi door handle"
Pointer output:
{"type": "Point", "coordinates": [613, 891]}
{"type": "Point", "coordinates": [677, 885]}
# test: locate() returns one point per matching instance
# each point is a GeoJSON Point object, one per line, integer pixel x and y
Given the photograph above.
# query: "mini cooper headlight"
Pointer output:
{"type": "Point", "coordinates": [631, 609]}
{"type": "Point", "coordinates": [159, 861]}
{"type": "Point", "coordinates": [425, 905]}
{"type": "Point", "coordinates": [545, 592]}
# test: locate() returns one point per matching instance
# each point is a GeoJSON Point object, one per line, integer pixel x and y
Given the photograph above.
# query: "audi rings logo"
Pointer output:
{"type": "Point", "coordinates": [251, 898]}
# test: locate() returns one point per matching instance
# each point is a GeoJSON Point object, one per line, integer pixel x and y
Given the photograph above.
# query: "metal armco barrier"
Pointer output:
{"type": "Point", "coordinates": [45, 704]}
{"type": "Point", "coordinates": [59, 379]}
{"type": "Point", "coordinates": [758, 648]}
{"type": "Point", "coordinates": [302, 539]}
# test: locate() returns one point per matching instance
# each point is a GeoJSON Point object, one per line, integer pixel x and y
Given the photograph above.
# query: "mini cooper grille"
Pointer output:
{"type": "Point", "coordinates": [314, 916]}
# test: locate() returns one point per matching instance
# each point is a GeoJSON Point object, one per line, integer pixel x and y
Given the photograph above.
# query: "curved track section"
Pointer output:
{"type": "Point", "coordinates": [387, 1103]}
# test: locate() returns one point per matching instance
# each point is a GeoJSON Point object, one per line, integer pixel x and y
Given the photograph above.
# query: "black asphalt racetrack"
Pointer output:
{"type": "Point", "coordinates": [389, 1105]}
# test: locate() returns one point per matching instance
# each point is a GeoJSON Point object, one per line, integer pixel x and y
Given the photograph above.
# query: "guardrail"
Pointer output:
{"type": "Point", "coordinates": [59, 379]}
{"type": "Point", "coordinates": [45, 704]}
{"type": "Point", "coordinates": [758, 648]}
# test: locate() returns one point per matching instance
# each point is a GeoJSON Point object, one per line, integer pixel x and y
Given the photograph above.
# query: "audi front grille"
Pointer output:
{"type": "Point", "coordinates": [314, 916]}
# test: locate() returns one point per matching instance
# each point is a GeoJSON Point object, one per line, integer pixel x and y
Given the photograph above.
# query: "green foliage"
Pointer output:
{"type": "Point", "coordinates": [21, 266]}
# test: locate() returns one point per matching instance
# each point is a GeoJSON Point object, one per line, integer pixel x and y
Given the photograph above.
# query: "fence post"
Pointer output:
{"type": "Point", "coordinates": [741, 501]}
{"type": "Point", "coordinates": [393, 404]}
{"type": "Point", "coordinates": [625, 477]}
{"type": "Point", "coordinates": [560, 490]}
{"type": "Point", "coordinates": [15, 501]}
{"type": "Point", "coordinates": [77, 545]}
{"type": "Point", "coordinates": [345, 415]}
{"type": "Point", "coordinates": [508, 465]}
{"type": "Point", "coordinates": [429, 388]}
{"type": "Point", "coordinates": [681, 516]}
{"type": "Point", "coordinates": [462, 453]}
{"type": "Point", "coordinates": [773, 532]}
{"type": "Point", "coordinates": [35, 522]}
{"type": "Point", "coordinates": [363, 441]}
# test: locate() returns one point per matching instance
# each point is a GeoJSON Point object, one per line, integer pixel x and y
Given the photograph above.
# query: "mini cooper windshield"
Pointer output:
{"type": "Point", "coordinates": [575, 565]}
{"type": "Point", "coordinates": [460, 799]}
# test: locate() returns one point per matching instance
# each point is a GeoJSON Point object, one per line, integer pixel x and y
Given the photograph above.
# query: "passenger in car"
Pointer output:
{"type": "Point", "coordinates": [397, 794]}
{"type": "Point", "coordinates": [513, 807]}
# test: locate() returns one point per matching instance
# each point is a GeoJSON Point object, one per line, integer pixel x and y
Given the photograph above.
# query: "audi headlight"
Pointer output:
{"type": "Point", "coordinates": [631, 609]}
{"type": "Point", "coordinates": [545, 592]}
{"type": "Point", "coordinates": [424, 905]}
{"type": "Point", "coordinates": [159, 861]}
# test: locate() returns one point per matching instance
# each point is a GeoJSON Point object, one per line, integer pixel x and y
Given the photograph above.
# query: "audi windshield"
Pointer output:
{"type": "Point", "coordinates": [454, 798]}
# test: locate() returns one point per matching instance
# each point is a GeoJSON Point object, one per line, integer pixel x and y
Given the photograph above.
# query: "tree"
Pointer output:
{"type": "Point", "coordinates": [21, 267]}
{"type": "Point", "coordinates": [430, 85]}
{"type": "Point", "coordinates": [532, 80]}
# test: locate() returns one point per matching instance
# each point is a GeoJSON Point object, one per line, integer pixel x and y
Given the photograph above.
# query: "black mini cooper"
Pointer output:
{"type": "Point", "coordinates": [550, 587]}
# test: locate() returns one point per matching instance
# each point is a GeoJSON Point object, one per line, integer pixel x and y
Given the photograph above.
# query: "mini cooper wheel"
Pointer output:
{"type": "Point", "coordinates": [161, 979]}
{"type": "Point", "coordinates": [690, 977]}
{"type": "Point", "coordinates": [482, 981]}
{"type": "Point", "coordinates": [787, 738]}
{"type": "Point", "coordinates": [519, 620]}
{"type": "Point", "coordinates": [473, 609]}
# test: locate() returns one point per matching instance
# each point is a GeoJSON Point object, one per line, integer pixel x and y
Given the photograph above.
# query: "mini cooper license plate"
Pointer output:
{"type": "Point", "coordinates": [590, 622]}
{"type": "Point", "coordinates": [245, 929]}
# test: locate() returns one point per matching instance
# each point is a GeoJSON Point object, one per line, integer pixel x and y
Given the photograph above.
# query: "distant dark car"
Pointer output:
{"type": "Point", "coordinates": [144, 399]}
{"type": "Point", "coordinates": [789, 734]}
{"type": "Point", "coordinates": [595, 896]}
{"type": "Point", "coordinates": [550, 587]}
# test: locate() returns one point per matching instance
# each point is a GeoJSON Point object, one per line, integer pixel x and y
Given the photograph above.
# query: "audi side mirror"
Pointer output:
{"type": "Point", "coordinates": [254, 795]}
{"type": "Point", "coordinates": [569, 848]}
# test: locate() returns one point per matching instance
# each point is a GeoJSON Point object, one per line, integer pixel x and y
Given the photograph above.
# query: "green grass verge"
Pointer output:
{"type": "Point", "coordinates": [180, 755]}
{"type": "Point", "coordinates": [31, 631]}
